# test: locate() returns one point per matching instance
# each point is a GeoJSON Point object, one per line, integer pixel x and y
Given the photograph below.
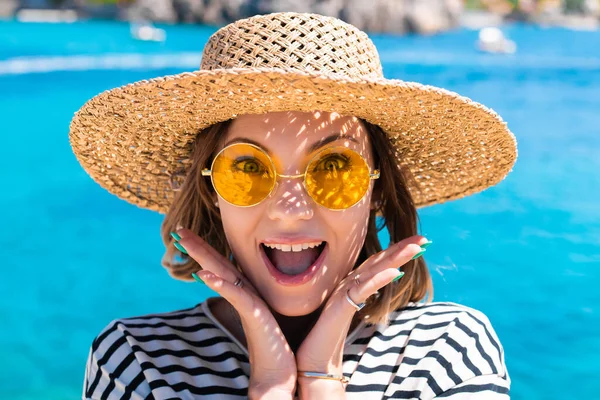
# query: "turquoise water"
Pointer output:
{"type": "Point", "coordinates": [525, 252]}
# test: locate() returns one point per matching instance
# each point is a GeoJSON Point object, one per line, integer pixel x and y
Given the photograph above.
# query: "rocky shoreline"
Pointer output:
{"type": "Point", "coordinates": [390, 16]}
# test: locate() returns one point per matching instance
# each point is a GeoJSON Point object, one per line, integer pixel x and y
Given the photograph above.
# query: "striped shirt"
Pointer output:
{"type": "Point", "coordinates": [428, 351]}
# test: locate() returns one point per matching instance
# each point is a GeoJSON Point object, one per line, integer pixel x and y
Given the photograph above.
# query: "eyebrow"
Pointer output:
{"type": "Point", "coordinates": [315, 146]}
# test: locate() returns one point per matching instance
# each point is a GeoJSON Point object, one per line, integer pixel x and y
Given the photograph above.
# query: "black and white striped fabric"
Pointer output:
{"type": "Point", "coordinates": [428, 351]}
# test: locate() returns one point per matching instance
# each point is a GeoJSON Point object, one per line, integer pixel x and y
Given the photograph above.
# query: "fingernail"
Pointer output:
{"type": "Point", "coordinates": [419, 254]}
{"type": "Point", "coordinates": [175, 236]}
{"type": "Point", "coordinates": [180, 247]}
{"type": "Point", "coordinates": [197, 278]}
{"type": "Point", "coordinates": [399, 276]}
{"type": "Point", "coordinates": [426, 244]}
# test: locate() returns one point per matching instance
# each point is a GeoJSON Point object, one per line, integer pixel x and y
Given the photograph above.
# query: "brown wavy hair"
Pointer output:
{"type": "Point", "coordinates": [194, 209]}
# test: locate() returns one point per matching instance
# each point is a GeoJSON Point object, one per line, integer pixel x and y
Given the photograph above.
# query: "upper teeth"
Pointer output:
{"type": "Point", "coordinates": [293, 247]}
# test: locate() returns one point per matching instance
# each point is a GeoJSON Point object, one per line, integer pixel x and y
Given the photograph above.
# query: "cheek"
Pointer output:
{"type": "Point", "coordinates": [238, 223]}
{"type": "Point", "coordinates": [350, 230]}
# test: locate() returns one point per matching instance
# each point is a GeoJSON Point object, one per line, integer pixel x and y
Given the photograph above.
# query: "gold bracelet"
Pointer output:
{"type": "Point", "coordinates": [320, 375]}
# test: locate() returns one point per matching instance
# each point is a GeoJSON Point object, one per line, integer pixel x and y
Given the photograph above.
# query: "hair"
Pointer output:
{"type": "Point", "coordinates": [194, 209]}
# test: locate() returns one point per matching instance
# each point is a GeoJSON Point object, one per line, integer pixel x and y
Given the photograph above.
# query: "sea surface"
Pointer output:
{"type": "Point", "coordinates": [526, 252]}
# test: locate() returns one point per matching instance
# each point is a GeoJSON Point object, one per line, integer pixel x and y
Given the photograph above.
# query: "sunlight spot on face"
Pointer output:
{"type": "Point", "coordinates": [324, 296]}
{"type": "Point", "coordinates": [270, 132]}
{"type": "Point", "coordinates": [303, 145]}
{"type": "Point", "coordinates": [345, 128]}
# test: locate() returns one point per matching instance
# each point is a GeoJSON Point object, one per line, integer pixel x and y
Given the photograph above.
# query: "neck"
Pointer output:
{"type": "Point", "coordinates": [295, 329]}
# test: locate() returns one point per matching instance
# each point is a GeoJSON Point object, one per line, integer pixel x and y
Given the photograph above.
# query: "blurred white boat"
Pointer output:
{"type": "Point", "coordinates": [45, 15]}
{"type": "Point", "coordinates": [147, 32]}
{"type": "Point", "coordinates": [492, 40]}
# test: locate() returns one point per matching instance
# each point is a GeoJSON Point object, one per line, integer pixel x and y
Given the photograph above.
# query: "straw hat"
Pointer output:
{"type": "Point", "coordinates": [134, 140]}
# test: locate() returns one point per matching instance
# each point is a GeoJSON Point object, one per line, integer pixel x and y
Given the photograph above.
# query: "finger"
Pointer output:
{"type": "Point", "coordinates": [188, 236]}
{"type": "Point", "coordinates": [239, 297]}
{"type": "Point", "coordinates": [206, 255]}
{"type": "Point", "coordinates": [400, 253]}
{"type": "Point", "coordinates": [210, 259]}
{"type": "Point", "coordinates": [360, 293]}
{"type": "Point", "coordinates": [394, 261]}
{"type": "Point", "coordinates": [381, 271]}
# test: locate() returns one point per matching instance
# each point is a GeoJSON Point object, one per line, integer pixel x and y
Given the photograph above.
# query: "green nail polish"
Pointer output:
{"type": "Point", "coordinates": [197, 278]}
{"type": "Point", "coordinates": [426, 244]}
{"type": "Point", "coordinates": [399, 276]}
{"type": "Point", "coordinates": [180, 247]}
{"type": "Point", "coordinates": [419, 254]}
{"type": "Point", "coordinates": [175, 236]}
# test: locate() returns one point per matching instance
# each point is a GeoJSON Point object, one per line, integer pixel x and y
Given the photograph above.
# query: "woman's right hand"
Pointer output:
{"type": "Point", "coordinates": [272, 362]}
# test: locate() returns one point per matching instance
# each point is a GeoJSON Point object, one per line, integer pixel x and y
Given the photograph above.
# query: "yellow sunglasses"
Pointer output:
{"type": "Point", "coordinates": [244, 175]}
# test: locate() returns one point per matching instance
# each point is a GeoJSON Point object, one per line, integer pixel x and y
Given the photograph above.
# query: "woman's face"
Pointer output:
{"type": "Point", "coordinates": [296, 283]}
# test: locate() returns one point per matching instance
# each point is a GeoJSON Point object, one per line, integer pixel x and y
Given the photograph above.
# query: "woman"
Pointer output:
{"type": "Point", "coordinates": [272, 163]}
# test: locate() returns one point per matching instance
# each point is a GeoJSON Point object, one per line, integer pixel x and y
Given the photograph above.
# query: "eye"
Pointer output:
{"type": "Point", "coordinates": [332, 162]}
{"type": "Point", "coordinates": [249, 165]}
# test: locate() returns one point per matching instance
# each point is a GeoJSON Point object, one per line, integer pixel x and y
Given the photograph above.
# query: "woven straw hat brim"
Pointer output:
{"type": "Point", "coordinates": [132, 140]}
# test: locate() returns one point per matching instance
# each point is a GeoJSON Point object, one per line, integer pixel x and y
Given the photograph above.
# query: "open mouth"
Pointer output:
{"type": "Point", "coordinates": [293, 261]}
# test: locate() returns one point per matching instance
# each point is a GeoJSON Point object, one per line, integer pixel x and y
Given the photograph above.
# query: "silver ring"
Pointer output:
{"type": "Point", "coordinates": [239, 283]}
{"type": "Point", "coordinates": [357, 306]}
{"type": "Point", "coordinates": [356, 280]}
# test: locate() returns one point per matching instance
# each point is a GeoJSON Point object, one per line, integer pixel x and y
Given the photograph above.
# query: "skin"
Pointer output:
{"type": "Point", "coordinates": [302, 327]}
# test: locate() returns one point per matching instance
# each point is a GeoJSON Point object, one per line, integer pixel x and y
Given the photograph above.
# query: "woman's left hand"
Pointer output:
{"type": "Point", "coordinates": [322, 350]}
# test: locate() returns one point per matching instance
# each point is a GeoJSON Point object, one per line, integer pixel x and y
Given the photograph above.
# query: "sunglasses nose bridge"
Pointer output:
{"type": "Point", "coordinates": [279, 177]}
{"type": "Point", "coordinates": [290, 176]}
{"type": "Point", "coordinates": [293, 178]}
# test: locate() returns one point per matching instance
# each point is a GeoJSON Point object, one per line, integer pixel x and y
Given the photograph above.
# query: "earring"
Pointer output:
{"type": "Point", "coordinates": [217, 204]}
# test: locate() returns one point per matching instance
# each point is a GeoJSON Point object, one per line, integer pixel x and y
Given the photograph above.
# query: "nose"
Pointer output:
{"type": "Point", "coordinates": [289, 201]}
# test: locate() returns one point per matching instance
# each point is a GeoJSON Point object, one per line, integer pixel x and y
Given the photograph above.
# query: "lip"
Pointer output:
{"type": "Point", "coordinates": [294, 280]}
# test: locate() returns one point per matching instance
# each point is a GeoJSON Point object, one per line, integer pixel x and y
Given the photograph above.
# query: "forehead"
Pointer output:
{"type": "Point", "coordinates": [293, 132]}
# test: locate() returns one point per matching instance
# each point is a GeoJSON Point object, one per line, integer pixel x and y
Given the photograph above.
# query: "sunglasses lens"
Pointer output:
{"type": "Point", "coordinates": [337, 178]}
{"type": "Point", "coordinates": [243, 175]}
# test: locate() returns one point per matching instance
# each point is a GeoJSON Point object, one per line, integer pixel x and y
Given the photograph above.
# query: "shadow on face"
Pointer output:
{"type": "Point", "coordinates": [294, 249]}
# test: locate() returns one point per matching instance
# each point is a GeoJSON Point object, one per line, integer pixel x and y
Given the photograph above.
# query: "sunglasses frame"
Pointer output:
{"type": "Point", "coordinates": [375, 174]}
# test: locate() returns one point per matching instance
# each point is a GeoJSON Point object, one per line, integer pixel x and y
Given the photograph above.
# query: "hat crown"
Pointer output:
{"type": "Point", "coordinates": [294, 41]}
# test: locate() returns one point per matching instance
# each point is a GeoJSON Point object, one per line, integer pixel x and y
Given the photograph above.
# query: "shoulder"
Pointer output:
{"type": "Point", "coordinates": [442, 314]}
{"type": "Point", "coordinates": [122, 334]}
{"type": "Point", "coordinates": [439, 349]}
{"type": "Point", "coordinates": [118, 353]}
{"type": "Point", "coordinates": [452, 346]}
{"type": "Point", "coordinates": [456, 331]}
